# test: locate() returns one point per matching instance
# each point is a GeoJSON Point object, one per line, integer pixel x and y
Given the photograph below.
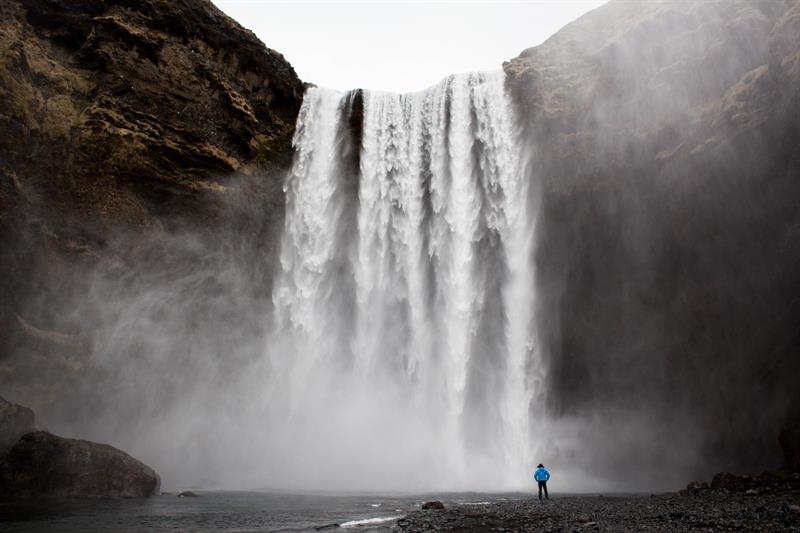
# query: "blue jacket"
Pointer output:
{"type": "Point", "coordinates": [541, 474]}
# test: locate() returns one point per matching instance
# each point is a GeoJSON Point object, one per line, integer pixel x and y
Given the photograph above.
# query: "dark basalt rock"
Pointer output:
{"type": "Point", "coordinates": [122, 125]}
{"type": "Point", "coordinates": [753, 509]}
{"type": "Point", "coordinates": [15, 421]}
{"type": "Point", "coordinates": [327, 527]}
{"type": "Point", "coordinates": [666, 158]}
{"type": "Point", "coordinates": [432, 506]}
{"type": "Point", "coordinates": [42, 464]}
{"type": "Point", "coordinates": [790, 444]}
{"type": "Point", "coordinates": [696, 486]}
{"type": "Point", "coordinates": [728, 481]}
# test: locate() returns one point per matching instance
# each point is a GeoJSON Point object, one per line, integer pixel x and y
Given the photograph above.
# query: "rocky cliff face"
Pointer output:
{"type": "Point", "coordinates": [139, 140]}
{"type": "Point", "coordinates": [664, 138]}
{"type": "Point", "coordinates": [142, 146]}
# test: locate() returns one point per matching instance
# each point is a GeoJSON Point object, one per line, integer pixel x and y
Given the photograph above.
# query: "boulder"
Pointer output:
{"type": "Point", "coordinates": [42, 464]}
{"type": "Point", "coordinates": [15, 421]}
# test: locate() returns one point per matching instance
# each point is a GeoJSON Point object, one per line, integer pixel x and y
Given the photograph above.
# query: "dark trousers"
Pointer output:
{"type": "Point", "coordinates": [543, 485]}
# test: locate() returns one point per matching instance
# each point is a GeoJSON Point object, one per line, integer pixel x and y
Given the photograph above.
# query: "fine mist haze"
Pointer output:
{"type": "Point", "coordinates": [590, 260]}
{"type": "Point", "coordinates": [174, 342]}
{"type": "Point", "coordinates": [666, 244]}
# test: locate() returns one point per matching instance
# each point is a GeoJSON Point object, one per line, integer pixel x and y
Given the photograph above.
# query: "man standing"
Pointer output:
{"type": "Point", "coordinates": [541, 476]}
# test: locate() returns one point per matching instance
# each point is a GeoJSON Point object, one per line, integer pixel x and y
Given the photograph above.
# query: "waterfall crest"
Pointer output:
{"type": "Point", "coordinates": [403, 344]}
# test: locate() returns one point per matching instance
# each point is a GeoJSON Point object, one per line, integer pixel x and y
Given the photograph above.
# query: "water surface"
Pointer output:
{"type": "Point", "coordinates": [224, 511]}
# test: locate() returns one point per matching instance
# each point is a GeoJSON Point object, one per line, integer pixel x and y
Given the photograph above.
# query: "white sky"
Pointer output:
{"type": "Point", "coordinates": [400, 46]}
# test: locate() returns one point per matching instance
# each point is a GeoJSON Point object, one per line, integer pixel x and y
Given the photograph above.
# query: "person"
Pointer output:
{"type": "Point", "coordinates": [541, 476]}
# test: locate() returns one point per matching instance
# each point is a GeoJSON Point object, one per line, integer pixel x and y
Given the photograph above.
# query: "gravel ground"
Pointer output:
{"type": "Point", "coordinates": [763, 509]}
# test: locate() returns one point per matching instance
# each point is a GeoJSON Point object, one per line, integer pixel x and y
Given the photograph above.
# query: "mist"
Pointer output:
{"type": "Point", "coordinates": [588, 259]}
{"type": "Point", "coordinates": [665, 284]}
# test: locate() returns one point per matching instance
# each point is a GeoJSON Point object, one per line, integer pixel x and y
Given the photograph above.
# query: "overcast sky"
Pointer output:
{"type": "Point", "coordinates": [400, 46]}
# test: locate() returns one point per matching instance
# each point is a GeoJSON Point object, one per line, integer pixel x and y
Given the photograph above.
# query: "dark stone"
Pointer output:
{"type": "Point", "coordinates": [732, 482]}
{"type": "Point", "coordinates": [696, 486]}
{"type": "Point", "coordinates": [187, 494]}
{"type": "Point", "coordinates": [326, 527]}
{"type": "Point", "coordinates": [213, 111]}
{"type": "Point", "coordinates": [667, 212]}
{"type": "Point", "coordinates": [432, 506]}
{"type": "Point", "coordinates": [15, 421]}
{"type": "Point", "coordinates": [42, 464]}
{"type": "Point", "coordinates": [790, 444]}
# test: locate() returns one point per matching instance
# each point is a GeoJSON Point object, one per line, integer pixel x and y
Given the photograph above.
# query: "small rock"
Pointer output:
{"type": "Point", "coordinates": [751, 491]}
{"type": "Point", "coordinates": [432, 506]}
{"type": "Point", "coordinates": [186, 494]}
{"type": "Point", "coordinates": [327, 527]}
{"type": "Point", "coordinates": [794, 508]}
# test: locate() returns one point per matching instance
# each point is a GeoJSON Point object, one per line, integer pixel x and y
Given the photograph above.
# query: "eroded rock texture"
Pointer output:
{"type": "Point", "coordinates": [664, 137]}
{"type": "Point", "coordinates": [15, 421]}
{"type": "Point", "coordinates": [41, 464]}
{"type": "Point", "coordinates": [142, 144]}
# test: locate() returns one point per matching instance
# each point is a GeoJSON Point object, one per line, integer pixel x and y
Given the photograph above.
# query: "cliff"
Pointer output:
{"type": "Point", "coordinates": [664, 137]}
{"type": "Point", "coordinates": [125, 126]}
{"type": "Point", "coordinates": [142, 150]}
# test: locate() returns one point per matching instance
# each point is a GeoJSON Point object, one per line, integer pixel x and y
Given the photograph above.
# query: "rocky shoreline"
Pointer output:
{"type": "Point", "coordinates": [770, 502]}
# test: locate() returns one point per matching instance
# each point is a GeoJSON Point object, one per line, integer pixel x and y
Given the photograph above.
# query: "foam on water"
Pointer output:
{"type": "Point", "coordinates": [370, 521]}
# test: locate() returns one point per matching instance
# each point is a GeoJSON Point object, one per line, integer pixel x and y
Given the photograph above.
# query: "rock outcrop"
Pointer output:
{"type": "Point", "coordinates": [142, 143]}
{"type": "Point", "coordinates": [41, 464]}
{"type": "Point", "coordinates": [664, 140]}
{"type": "Point", "coordinates": [142, 146]}
{"type": "Point", "coordinates": [15, 421]}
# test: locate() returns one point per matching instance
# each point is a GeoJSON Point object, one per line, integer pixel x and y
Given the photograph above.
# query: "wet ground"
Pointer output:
{"type": "Point", "coordinates": [705, 510]}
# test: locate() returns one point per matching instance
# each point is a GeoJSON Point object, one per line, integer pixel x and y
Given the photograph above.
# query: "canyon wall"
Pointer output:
{"type": "Point", "coordinates": [664, 139]}
{"type": "Point", "coordinates": [143, 146]}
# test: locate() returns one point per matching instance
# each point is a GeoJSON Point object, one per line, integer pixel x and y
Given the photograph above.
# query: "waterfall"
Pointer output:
{"type": "Point", "coordinates": [403, 342]}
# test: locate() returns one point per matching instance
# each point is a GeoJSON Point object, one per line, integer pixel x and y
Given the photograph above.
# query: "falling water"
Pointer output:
{"type": "Point", "coordinates": [404, 305]}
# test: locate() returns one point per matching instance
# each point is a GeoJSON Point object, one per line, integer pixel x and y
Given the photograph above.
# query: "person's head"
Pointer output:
{"type": "Point", "coordinates": [540, 465]}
